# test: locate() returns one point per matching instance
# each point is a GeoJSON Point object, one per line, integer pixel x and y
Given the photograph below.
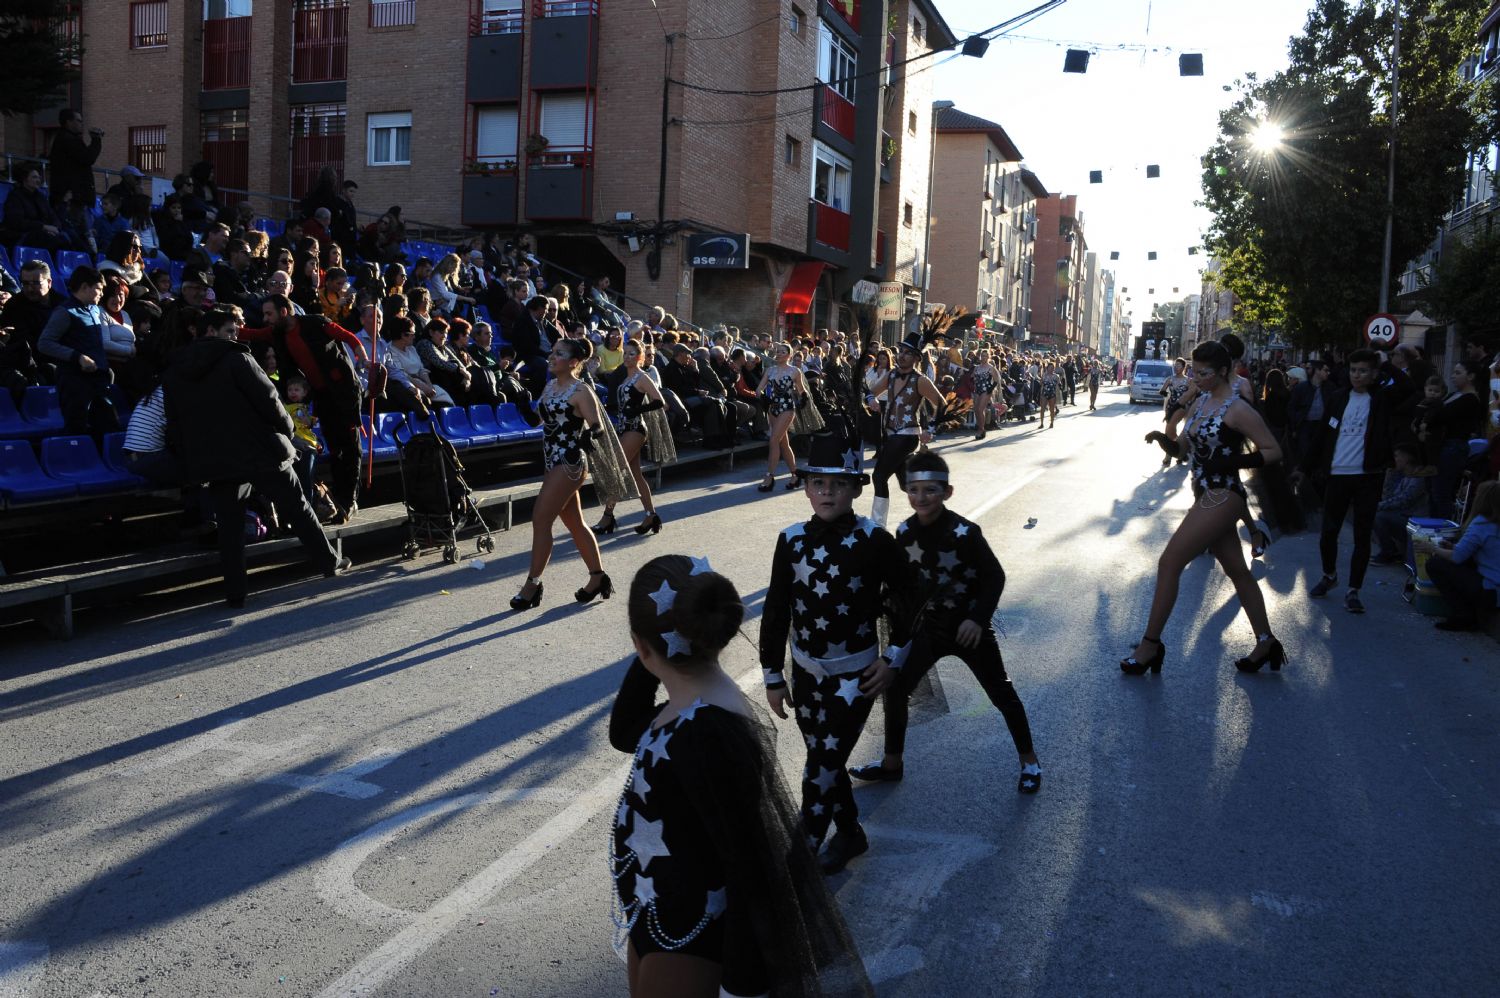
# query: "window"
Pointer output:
{"type": "Point", "coordinates": [832, 177]}
{"type": "Point", "coordinates": [495, 131]}
{"type": "Point", "coordinates": [392, 13]}
{"type": "Point", "coordinates": [317, 141]}
{"type": "Point", "coordinates": [793, 152]}
{"type": "Point", "coordinates": [906, 214]}
{"type": "Point", "coordinates": [796, 20]}
{"type": "Point", "coordinates": [390, 139]}
{"type": "Point", "coordinates": [566, 121]}
{"type": "Point", "coordinates": [918, 30]}
{"type": "Point", "coordinates": [836, 62]}
{"type": "Point", "coordinates": [148, 25]}
{"type": "Point", "coordinates": [911, 122]}
{"type": "Point", "coordinates": [500, 17]}
{"type": "Point", "coordinates": [215, 9]}
{"type": "Point", "coordinates": [148, 148]}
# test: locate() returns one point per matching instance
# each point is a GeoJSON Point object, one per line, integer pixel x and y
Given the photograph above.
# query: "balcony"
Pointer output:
{"type": "Point", "coordinates": [564, 44]}
{"type": "Point", "coordinates": [490, 198]}
{"type": "Point", "coordinates": [830, 226]}
{"type": "Point", "coordinates": [226, 53]}
{"type": "Point", "coordinates": [835, 111]}
{"type": "Point", "coordinates": [320, 41]}
{"type": "Point", "coordinates": [392, 13]}
{"type": "Point", "coordinates": [560, 183]}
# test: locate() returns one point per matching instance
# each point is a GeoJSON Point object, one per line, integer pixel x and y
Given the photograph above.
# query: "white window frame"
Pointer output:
{"type": "Point", "coordinates": [392, 122]}
{"type": "Point", "coordinates": [842, 168]}
{"type": "Point", "coordinates": [497, 134]}
{"type": "Point", "coordinates": [836, 62]}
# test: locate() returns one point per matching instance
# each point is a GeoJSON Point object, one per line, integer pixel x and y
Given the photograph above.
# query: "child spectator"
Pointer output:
{"type": "Point", "coordinates": [304, 440]}
{"type": "Point", "coordinates": [1405, 496]}
{"type": "Point", "coordinates": [110, 222]}
{"type": "Point", "coordinates": [336, 297]}
{"type": "Point", "coordinates": [1425, 424]}
{"type": "Point", "coordinates": [1468, 574]}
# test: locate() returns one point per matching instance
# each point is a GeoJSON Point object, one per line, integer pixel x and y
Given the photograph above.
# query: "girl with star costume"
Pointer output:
{"type": "Point", "coordinates": [830, 577]}
{"type": "Point", "coordinates": [643, 422]}
{"type": "Point", "coordinates": [715, 891]}
{"type": "Point", "coordinates": [958, 585]}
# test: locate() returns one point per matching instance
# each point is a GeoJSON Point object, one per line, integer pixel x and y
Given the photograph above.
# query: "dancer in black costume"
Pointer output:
{"type": "Point", "coordinates": [715, 892]}
{"type": "Point", "coordinates": [958, 582]}
{"type": "Point", "coordinates": [906, 425]}
{"type": "Point", "coordinates": [643, 423]}
{"type": "Point", "coordinates": [830, 578]}
{"type": "Point", "coordinates": [1218, 424]}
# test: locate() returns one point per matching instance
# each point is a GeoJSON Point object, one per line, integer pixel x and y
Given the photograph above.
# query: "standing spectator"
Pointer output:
{"type": "Point", "coordinates": [1461, 419]}
{"type": "Point", "coordinates": [1468, 574]}
{"type": "Point", "coordinates": [207, 190]}
{"type": "Point", "coordinates": [1305, 410]}
{"type": "Point", "coordinates": [228, 428]}
{"type": "Point", "coordinates": [74, 338]}
{"type": "Point", "coordinates": [1275, 405]}
{"type": "Point", "coordinates": [72, 159]}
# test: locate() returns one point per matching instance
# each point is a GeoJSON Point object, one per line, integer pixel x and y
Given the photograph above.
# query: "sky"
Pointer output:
{"type": "Point", "coordinates": [1130, 110]}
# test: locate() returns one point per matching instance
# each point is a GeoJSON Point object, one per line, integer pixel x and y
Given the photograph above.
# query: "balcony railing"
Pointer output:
{"type": "Point", "coordinates": [565, 8]}
{"type": "Point", "coordinates": [226, 53]}
{"type": "Point", "coordinates": [392, 13]}
{"type": "Point", "coordinates": [320, 43]}
{"type": "Point", "coordinates": [832, 226]}
{"type": "Point", "coordinates": [558, 157]}
{"type": "Point", "coordinates": [231, 160]}
{"type": "Point", "coordinates": [835, 111]}
{"type": "Point", "coordinates": [310, 153]}
{"type": "Point", "coordinates": [496, 22]}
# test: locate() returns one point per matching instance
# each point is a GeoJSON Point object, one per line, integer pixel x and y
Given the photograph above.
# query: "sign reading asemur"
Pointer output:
{"type": "Point", "coordinates": [719, 251]}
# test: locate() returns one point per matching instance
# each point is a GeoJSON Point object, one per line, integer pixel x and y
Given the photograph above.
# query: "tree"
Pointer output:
{"type": "Point", "coordinates": [41, 52]}
{"type": "Point", "coordinates": [1299, 227]}
{"type": "Point", "coordinates": [1465, 286]}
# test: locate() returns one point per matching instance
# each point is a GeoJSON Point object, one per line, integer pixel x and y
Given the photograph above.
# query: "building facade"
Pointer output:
{"type": "Point", "coordinates": [1109, 316]}
{"type": "Point", "coordinates": [1057, 291]}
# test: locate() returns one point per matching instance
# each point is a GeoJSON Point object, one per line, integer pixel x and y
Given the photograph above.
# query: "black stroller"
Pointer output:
{"type": "Point", "coordinates": [438, 501]}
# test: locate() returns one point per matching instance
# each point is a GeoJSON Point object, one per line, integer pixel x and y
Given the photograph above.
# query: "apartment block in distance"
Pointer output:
{"type": "Point", "coordinates": [1057, 293]}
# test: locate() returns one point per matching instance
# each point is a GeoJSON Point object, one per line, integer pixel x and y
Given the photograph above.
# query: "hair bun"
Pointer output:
{"type": "Point", "coordinates": [708, 612]}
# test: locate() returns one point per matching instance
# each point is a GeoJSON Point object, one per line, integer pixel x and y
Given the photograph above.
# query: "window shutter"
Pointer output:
{"type": "Point", "coordinates": [495, 133]}
{"type": "Point", "coordinates": [565, 121]}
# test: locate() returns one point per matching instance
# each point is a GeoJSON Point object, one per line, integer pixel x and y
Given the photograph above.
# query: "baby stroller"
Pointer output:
{"type": "Point", "coordinates": [438, 501]}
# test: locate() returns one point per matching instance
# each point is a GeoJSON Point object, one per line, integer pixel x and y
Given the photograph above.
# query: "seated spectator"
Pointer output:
{"type": "Point", "coordinates": [307, 279]}
{"type": "Point", "coordinates": [26, 315]}
{"type": "Point", "coordinates": [336, 297]}
{"type": "Point", "coordinates": [611, 353]}
{"type": "Point", "coordinates": [128, 186]}
{"type": "Point", "coordinates": [382, 239]}
{"type": "Point", "coordinates": [122, 255]}
{"type": "Point", "coordinates": [206, 187]}
{"type": "Point", "coordinates": [228, 428]}
{"type": "Point", "coordinates": [109, 222]}
{"type": "Point", "coordinates": [161, 280]}
{"type": "Point", "coordinates": [236, 281]}
{"type": "Point", "coordinates": [174, 235]}
{"type": "Point", "coordinates": [215, 242]}
{"type": "Point", "coordinates": [406, 363]}
{"type": "Point", "coordinates": [395, 279]}
{"type": "Point", "coordinates": [29, 218]}
{"type": "Point", "coordinates": [288, 241]}
{"type": "Point", "coordinates": [442, 284]}
{"type": "Point", "coordinates": [443, 365]}
{"type": "Point", "coordinates": [332, 256]}
{"type": "Point", "coordinates": [119, 331]}
{"type": "Point", "coordinates": [74, 340]}
{"type": "Point", "coordinates": [702, 394]}
{"type": "Point", "coordinates": [244, 221]}
{"type": "Point", "coordinates": [419, 308]}
{"type": "Point", "coordinates": [1405, 496]}
{"type": "Point", "coordinates": [1468, 574]}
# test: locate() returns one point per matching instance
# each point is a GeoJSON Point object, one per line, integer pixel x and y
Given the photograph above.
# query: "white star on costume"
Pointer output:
{"type": "Point", "coordinates": [830, 743]}
{"type": "Point", "coordinates": [691, 709]}
{"type": "Point", "coordinates": [805, 633]}
{"type": "Point", "coordinates": [700, 566]}
{"type": "Point", "coordinates": [657, 747]}
{"type": "Point", "coordinates": [856, 584]}
{"type": "Point", "coordinates": [960, 587]}
{"type": "Point", "coordinates": [862, 630]}
{"type": "Point", "coordinates": [816, 809]}
{"type": "Point", "coordinates": [801, 607]}
{"type": "Point", "coordinates": [849, 541]}
{"type": "Point", "coordinates": [803, 571]}
{"type": "Point", "coordinates": [805, 711]}
{"type": "Point", "coordinates": [822, 716]}
{"type": "Point", "coordinates": [819, 553]}
{"type": "Point", "coordinates": [677, 644]}
{"type": "Point", "coordinates": [947, 560]}
{"type": "Point", "coordinates": [914, 551]}
{"type": "Point", "coordinates": [826, 779]}
{"type": "Point", "coordinates": [833, 571]}
{"type": "Point", "coordinates": [817, 697]}
{"type": "Point", "coordinates": [820, 588]}
{"type": "Point", "coordinates": [639, 784]}
{"type": "Point", "coordinates": [645, 890]}
{"type": "Point", "coordinates": [717, 902]}
{"type": "Point", "coordinates": [961, 530]}
{"type": "Point", "coordinates": [843, 609]}
{"type": "Point", "coordinates": [646, 842]}
{"type": "Point", "coordinates": [851, 460]}
{"type": "Point", "coordinates": [622, 816]}
{"type": "Point", "coordinates": [848, 690]}
{"type": "Point", "coordinates": [664, 597]}
{"type": "Point", "coordinates": [812, 741]}
{"type": "Point", "coordinates": [838, 650]}
{"type": "Point", "coordinates": [820, 623]}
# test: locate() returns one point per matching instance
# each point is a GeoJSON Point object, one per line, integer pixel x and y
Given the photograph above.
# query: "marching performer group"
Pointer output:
{"type": "Point", "coordinates": [717, 866]}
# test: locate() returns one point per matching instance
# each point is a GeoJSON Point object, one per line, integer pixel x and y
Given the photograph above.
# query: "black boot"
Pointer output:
{"type": "Point", "coordinates": [844, 846]}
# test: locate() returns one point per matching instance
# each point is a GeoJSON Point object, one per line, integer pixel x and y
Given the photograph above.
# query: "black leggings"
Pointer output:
{"type": "Point", "coordinates": [892, 461]}
{"type": "Point", "coordinates": [984, 661]}
{"type": "Point", "coordinates": [1363, 493]}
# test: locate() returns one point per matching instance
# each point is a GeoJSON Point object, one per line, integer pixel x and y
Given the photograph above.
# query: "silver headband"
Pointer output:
{"type": "Point", "coordinates": [927, 476]}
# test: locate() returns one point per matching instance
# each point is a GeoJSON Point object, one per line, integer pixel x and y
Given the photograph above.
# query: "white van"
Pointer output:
{"type": "Point", "coordinates": [1146, 380]}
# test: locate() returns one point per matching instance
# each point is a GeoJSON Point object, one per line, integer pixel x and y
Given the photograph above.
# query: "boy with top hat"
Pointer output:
{"type": "Point", "coordinates": [957, 581]}
{"type": "Point", "coordinates": [830, 577]}
{"type": "Point", "coordinates": [905, 427]}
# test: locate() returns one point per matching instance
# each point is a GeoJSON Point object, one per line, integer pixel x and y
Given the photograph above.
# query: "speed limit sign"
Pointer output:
{"type": "Point", "coordinates": [1380, 330]}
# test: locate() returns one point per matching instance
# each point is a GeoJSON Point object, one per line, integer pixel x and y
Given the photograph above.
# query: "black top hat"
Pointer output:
{"type": "Point", "coordinates": [830, 454]}
{"type": "Point", "coordinates": [912, 344]}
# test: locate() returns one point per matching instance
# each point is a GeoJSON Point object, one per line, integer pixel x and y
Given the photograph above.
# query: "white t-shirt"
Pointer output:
{"type": "Point", "coordinates": [1349, 450]}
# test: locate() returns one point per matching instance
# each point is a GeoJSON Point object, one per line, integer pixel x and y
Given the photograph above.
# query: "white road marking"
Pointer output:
{"type": "Point", "coordinates": [22, 965]}
{"type": "Point", "coordinates": [342, 782]}
{"type": "Point", "coordinates": [196, 745]}
{"type": "Point", "coordinates": [1005, 493]}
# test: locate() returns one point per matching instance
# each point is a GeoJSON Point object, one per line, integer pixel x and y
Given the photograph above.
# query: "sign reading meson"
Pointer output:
{"type": "Point", "coordinates": [718, 251]}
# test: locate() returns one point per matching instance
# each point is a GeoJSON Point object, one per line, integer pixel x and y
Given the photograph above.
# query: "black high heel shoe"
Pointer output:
{"type": "Point", "coordinates": [606, 524]}
{"type": "Point", "coordinates": [519, 602]}
{"type": "Point", "coordinates": [795, 483]}
{"type": "Point", "coordinates": [1132, 667]}
{"type": "Point", "coordinates": [651, 523]}
{"type": "Point", "coordinates": [1276, 656]}
{"type": "Point", "coordinates": [767, 485]}
{"type": "Point", "coordinates": [606, 589]}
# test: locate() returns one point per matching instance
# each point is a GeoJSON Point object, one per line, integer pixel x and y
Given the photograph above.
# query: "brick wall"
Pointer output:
{"type": "Point", "coordinates": [957, 216]}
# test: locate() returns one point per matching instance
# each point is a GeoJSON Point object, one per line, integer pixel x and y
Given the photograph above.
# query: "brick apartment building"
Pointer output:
{"type": "Point", "coordinates": [984, 223]}
{"type": "Point", "coordinates": [546, 116]}
{"type": "Point", "coordinates": [1058, 290]}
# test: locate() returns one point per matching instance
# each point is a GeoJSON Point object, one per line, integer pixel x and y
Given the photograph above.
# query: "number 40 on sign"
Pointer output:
{"type": "Point", "coordinates": [1381, 330]}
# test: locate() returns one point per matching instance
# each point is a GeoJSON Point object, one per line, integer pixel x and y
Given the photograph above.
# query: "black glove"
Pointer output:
{"type": "Point", "coordinates": [1167, 444]}
{"type": "Point", "coordinates": [1220, 464]}
{"type": "Point", "coordinates": [589, 439]}
{"type": "Point", "coordinates": [651, 405]}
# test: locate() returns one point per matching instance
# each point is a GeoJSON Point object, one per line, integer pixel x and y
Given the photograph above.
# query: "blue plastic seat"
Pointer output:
{"type": "Point", "coordinates": [12, 425]}
{"type": "Point", "coordinates": [21, 480]}
{"type": "Point", "coordinates": [25, 254]}
{"type": "Point", "coordinates": [484, 314]}
{"type": "Point", "coordinates": [481, 436]}
{"type": "Point", "coordinates": [178, 268]}
{"type": "Point", "coordinates": [415, 423]}
{"type": "Point", "coordinates": [511, 421]}
{"type": "Point", "coordinates": [114, 454]}
{"type": "Point", "coordinates": [272, 227]}
{"type": "Point", "coordinates": [454, 421]}
{"type": "Point", "coordinates": [383, 434]}
{"type": "Point", "coordinates": [41, 409]}
{"type": "Point", "coordinates": [69, 261]}
{"type": "Point", "coordinates": [74, 459]}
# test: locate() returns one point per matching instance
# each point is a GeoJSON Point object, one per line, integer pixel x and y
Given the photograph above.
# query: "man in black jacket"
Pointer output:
{"type": "Point", "coordinates": [26, 315]}
{"type": "Point", "coordinates": [226, 425]}
{"type": "Point", "coordinates": [72, 159]}
{"type": "Point", "coordinates": [1354, 446]}
{"type": "Point", "coordinates": [700, 391]}
{"type": "Point", "coordinates": [526, 335]}
{"type": "Point", "coordinates": [1308, 408]}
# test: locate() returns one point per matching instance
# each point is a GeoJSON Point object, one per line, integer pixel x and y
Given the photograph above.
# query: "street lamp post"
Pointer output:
{"type": "Point", "coordinates": [1390, 177]}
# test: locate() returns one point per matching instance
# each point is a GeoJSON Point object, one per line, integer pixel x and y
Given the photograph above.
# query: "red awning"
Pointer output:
{"type": "Point", "coordinates": [796, 297]}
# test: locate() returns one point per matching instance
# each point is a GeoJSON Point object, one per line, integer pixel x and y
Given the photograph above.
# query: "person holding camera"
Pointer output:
{"type": "Point", "coordinates": [73, 158]}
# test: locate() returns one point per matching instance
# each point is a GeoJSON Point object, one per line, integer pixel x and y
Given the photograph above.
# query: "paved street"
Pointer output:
{"type": "Point", "coordinates": [392, 785]}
